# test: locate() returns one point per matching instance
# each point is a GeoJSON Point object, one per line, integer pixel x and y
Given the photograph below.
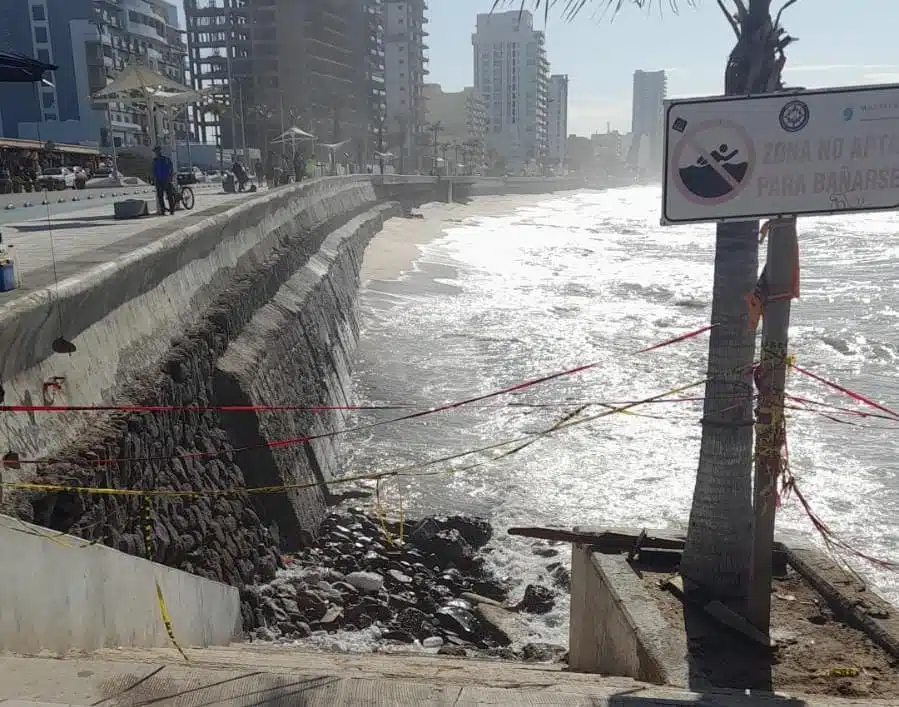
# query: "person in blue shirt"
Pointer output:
{"type": "Point", "coordinates": [163, 173]}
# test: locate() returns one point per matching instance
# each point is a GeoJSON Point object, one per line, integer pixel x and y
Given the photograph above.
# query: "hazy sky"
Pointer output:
{"type": "Point", "coordinates": [841, 43]}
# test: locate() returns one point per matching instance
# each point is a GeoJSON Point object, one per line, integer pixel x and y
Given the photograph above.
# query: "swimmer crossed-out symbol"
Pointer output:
{"type": "Point", "coordinates": [713, 162]}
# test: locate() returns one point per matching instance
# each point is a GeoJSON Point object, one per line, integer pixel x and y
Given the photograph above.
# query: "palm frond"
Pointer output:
{"type": "Point", "coordinates": [571, 8]}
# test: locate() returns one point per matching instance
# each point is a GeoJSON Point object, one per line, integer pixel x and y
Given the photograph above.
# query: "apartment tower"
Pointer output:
{"type": "Point", "coordinates": [511, 74]}
{"type": "Point", "coordinates": [647, 119]}
{"type": "Point", "coordinates": [558, 120]}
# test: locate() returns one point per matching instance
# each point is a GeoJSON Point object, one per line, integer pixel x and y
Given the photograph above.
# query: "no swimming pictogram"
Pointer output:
{"type": "Point", "coordinates": [712, 161]}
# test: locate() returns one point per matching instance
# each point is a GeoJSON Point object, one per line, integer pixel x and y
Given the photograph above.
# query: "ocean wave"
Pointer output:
{"type": "Point", "coordinates": [598, 287]}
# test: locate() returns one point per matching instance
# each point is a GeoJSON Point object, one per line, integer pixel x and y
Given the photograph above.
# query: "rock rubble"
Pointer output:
{"type": "Point", "coordinates": [424, 584]}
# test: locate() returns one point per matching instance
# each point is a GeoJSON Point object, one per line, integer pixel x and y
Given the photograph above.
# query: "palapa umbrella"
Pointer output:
{"type": "Point", "coordinates": [19, 68]}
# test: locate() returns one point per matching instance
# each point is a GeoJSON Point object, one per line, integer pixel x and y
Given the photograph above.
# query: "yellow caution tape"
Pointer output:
{"type": "Point", "coordinates": [168, 622]}
{"type": "Point", "coordinates": [844, 672]}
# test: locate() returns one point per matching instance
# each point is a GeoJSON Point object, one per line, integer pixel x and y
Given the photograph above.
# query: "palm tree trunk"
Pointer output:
{"type": "Point", "coordinates": [719, 537]}
{"type": "Point", "coordinates": [718, 550]}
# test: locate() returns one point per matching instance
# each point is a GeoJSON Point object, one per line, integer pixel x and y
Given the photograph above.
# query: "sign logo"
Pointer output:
{"type": "Point", "coordinates": [847, 114]}
{"type": "Point", "coordinates": [713, 162]}
{"type": "Point", "coordinates": [794, 116]}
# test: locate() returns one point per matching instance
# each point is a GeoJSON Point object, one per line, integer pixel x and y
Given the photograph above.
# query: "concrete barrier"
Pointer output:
{"type": "Point", "coordinates": [616, 627]}
{"type": "Point", "coordinates": [299, 346]}
{"type": "Point", "coordinates": [58, 593]}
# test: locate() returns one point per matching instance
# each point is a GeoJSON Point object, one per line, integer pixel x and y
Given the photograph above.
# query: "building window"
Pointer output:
{"type": "Point", "coordinates": [43, 55]}
{"type": "Point", "coordinates": [50, 116]}
{"type": "Point", "coordinates": [40, 35]}
{"type": "Point", "coordinates": [38, 13]}
{"type": "Point", "coordinates": [48, 101]}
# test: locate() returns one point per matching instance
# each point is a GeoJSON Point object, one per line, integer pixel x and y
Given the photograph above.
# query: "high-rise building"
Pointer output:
{"type": "Point", "coordinates": [405, 70]}
{"type": "Point", "coordinates": [647, 119]}
{"type": "Point", "coordinates": [511, 74]}
{"type": "Point", "coordinates": [90, 41]}
{"type": "Point", "coordinates": [558, 119]}
{"type": "Point", "coordinates": [463, 119]}
{"type": "Point", "coordinates": [316, 64]}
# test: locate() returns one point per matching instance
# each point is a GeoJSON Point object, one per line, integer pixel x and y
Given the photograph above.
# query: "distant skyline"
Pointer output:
{"type": "Point", "coordinates": [840, 44]}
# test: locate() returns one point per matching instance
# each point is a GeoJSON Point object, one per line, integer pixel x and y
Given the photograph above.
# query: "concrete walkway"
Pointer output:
{"type": "Point", "coordinates": [270, 675]}
{"type": "Point", "coordinates": [91, 236]}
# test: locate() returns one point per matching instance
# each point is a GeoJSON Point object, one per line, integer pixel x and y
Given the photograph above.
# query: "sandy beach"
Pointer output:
{"type": "Point", "coordinates": [395, 249]}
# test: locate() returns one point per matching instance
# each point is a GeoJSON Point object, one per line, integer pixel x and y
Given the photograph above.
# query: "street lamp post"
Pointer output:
{"type": "Point", "coordinates": [381, 146]}
{"type": "Point", "coordinates": [444, 148]}
{"type": "Point", "coordinates": [228, 50]}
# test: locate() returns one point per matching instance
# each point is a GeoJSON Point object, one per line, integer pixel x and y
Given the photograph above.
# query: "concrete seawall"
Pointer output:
{"type": "Point", "coordinates": [123, 315]}
{"type": "Point", "coordinates": [252, 305]}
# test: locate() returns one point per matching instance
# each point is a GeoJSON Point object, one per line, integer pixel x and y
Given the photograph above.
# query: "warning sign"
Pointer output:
{"type": "Point", "coordinates": [828, 151]}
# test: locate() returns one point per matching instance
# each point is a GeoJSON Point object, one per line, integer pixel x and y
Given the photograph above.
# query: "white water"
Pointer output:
{"type": "Point", "coordinates": [593, 277]}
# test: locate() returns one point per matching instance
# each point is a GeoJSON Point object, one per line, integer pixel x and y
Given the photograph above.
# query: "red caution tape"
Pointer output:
{"type": "Point", "coordinates": [852, 394]}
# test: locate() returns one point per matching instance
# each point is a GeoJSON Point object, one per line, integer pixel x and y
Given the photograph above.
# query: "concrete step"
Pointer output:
{"type": "Point", "coordinates": [244, 675]}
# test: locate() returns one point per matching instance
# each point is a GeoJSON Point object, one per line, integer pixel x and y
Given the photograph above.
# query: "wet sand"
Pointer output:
{"type": "Point", "coordinates": [396, 248]}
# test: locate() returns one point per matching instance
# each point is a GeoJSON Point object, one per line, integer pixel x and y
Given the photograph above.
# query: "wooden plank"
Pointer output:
{"type": "Point", "coordinates": [733, 620]}
{"type": "Point", "coordinates": [675, 585]}
{"type": "Point", "coordinates": [622, 540]}
{"type": "Point", "coordinates": [604, 540]}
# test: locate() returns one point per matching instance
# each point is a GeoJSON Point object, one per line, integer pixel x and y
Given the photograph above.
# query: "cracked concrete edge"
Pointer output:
{"type": "Point", "coordinates": [852, 601]}
{"type": "Point", "coordinates": [131, 677]}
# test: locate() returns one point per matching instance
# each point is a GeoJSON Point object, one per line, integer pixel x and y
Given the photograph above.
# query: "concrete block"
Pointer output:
{"type": "Point", "coordinates": [131, 208]}
{"type": "Point", "coordinates": [59, 593]}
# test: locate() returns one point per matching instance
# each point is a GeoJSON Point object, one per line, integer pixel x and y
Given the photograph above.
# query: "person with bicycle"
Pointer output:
{"type": "Point", "coordinates": [163, 172]}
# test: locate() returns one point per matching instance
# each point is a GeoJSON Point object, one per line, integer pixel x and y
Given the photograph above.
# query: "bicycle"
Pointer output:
{"type": "Point", "coordinates": [184, 196]}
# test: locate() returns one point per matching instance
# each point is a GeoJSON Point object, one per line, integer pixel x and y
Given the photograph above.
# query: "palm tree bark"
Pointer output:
{"type": "Point", "coordinates": [718, 551]}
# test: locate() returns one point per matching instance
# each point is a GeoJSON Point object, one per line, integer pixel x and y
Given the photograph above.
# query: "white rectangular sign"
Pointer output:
{"type": "Point", "coordinates": [785, 154]}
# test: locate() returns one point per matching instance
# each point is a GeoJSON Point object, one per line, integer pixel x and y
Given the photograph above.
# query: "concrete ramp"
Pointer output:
{"type": "Point", "coordinates": [267, 675]}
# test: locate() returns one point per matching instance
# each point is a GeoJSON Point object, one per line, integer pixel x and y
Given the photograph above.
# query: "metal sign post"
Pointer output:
{"type": "Point", "coordinates": [769, 430]}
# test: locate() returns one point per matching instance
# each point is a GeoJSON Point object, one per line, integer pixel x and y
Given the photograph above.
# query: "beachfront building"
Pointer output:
{"type": "Point", "coordinates": [405, 70]}
{"type": "Point", "coordinates": [315, 64]}
{"type": "Point", "coordinates": [511, 75]}
{"type": "Point", "coordinates": [90, 41]}
{"type": "Point", "coordinates": [463, 119]}
{"type": "Point", "coordinates": [557, 131]}
{"type": "Point", "coordinates": [647, 118]}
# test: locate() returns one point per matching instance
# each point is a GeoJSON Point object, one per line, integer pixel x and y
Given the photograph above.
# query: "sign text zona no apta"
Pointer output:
{"type": "Point", "coordinates": [799, 153]}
